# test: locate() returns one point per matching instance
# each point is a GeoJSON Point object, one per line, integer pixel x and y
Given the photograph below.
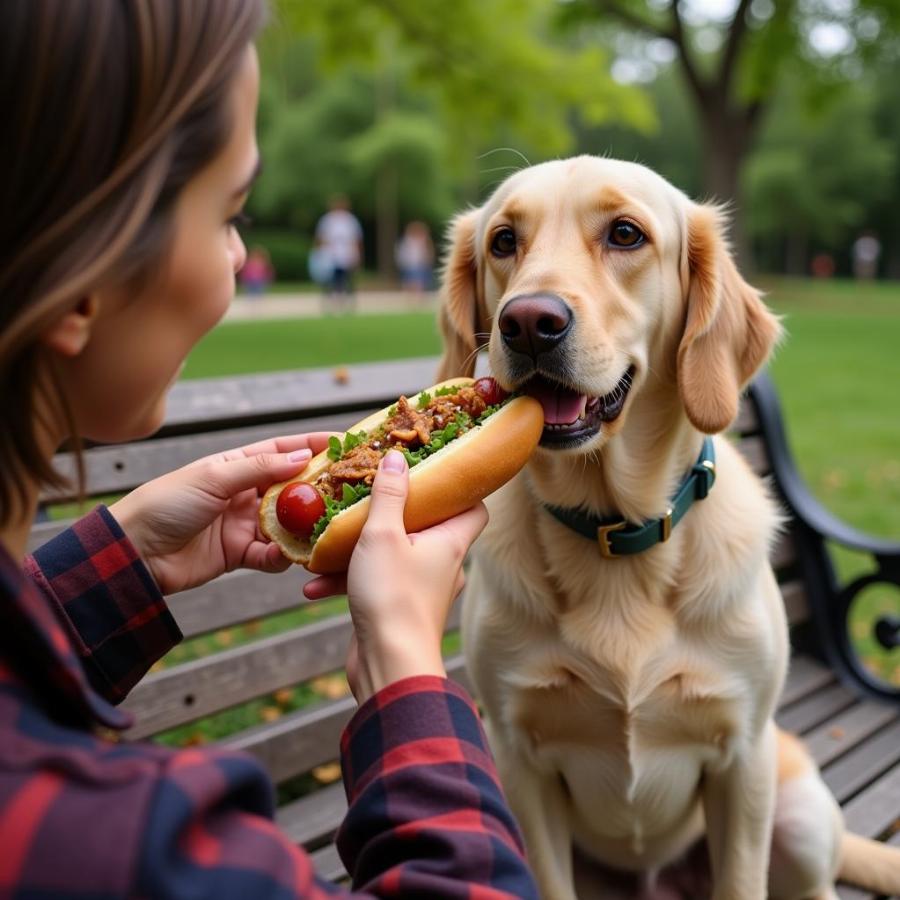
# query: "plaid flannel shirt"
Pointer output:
{"type": "Point", "coordinates": [83, 816]}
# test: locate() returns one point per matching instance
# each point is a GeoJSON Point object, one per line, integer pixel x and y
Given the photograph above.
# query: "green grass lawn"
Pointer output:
{"type": "Point", "coordinates": [267, 346]}
{"type": "Point", "coordinates": [837, 374]}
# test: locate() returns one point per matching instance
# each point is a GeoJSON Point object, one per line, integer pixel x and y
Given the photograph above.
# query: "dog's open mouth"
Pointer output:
{"type": "Point", "coordinates": [571, 418]}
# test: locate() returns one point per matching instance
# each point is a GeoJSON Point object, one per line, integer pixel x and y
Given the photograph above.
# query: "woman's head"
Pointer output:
{"type": "Point", "coordinates": [130, 146]}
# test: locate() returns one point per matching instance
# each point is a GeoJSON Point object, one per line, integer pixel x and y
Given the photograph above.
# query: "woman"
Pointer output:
{"type": "Point", "coordinates": [128, 154]}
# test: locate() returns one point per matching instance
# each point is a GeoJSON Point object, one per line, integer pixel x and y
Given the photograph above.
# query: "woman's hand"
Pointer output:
{"type": "Point", "coordinates": [400, 586]}
{"type": "Point", "coordinates": [201, 520]}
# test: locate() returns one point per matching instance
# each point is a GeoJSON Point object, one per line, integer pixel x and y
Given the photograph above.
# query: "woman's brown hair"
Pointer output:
{"type": "Point", "coordinates": [109, 108]}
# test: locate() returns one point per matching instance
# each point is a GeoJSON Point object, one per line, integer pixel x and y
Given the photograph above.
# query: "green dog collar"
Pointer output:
{"type": "Point", "coordinates": [616, 537]}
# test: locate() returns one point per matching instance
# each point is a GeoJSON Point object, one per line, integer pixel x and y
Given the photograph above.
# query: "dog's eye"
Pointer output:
{"type": "Point", "coordinates": [504, 242]}
{"type": "Point", "coordinates": [625, 234]}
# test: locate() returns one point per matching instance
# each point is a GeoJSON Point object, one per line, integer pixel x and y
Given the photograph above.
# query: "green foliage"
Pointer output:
{"type": "Point", "coordinates": [817, 171]}
{"type": "Point", "coordinates": [288, 250]}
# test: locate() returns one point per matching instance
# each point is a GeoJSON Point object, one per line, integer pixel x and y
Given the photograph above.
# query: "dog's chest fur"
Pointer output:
{"type": "Point", "coordinates": [612, 674]}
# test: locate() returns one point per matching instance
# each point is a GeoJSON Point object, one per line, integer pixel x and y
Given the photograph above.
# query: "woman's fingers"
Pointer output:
{"type": "Point", "coordinates": [325, 586]}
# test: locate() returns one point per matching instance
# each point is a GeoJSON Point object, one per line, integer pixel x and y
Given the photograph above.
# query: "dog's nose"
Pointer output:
{"type": "Point", "coordinates": [535, 323]}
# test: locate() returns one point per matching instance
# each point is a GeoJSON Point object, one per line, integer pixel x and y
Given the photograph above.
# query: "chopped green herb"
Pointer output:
{"type": "Point", "coordinates": [424, 399]}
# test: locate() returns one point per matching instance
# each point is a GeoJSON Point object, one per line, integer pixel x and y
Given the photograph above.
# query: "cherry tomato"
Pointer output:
{"type": "Point", "coordinates": [299, 507]}
{"type": "Point", "coordinates": [490, 391]}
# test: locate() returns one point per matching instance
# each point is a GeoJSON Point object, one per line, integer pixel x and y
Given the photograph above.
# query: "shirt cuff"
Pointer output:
{"type": "Point", "coordinates": [115, 613]}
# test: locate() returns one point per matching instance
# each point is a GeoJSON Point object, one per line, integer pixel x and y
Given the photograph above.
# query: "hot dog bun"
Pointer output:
{"type": "Point", "coordinates": [451, 480]}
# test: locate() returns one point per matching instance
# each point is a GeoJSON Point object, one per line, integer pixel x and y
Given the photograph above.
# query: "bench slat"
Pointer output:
{"type": "Point", "coordinates": [122, 467]}
{"type": "Point", "coordinates": [845, 731]}
{"type": "Point", "coordinates": [238, 597]}
{"type": "Point", "coordinates": [856, 769]}
{"type": "Point", "coordinates": [815, 709]}
{"type": "Point", "coordinates": [795, 604]}
{"type": "Point", "coordinates": [328, 864]}
{"type": "Point", "coordinates": [753, 449]}
{"type": "Point", "coordinates": [200, 404]}
{"type": "Point", "coordinates": [205, 686]}
{"type": "Point", "coordinates": [300, 741]}
{"type": "Point", "coordinates": [784, 553]}
{"type": "Point", "coordinates": [306, 820]}
{"type": "Point", "coordinates": [195, 689]}
{"type": "Point", "coordinates": [804, 677]}
{"type": "Point", "coordinates": [873, 810]}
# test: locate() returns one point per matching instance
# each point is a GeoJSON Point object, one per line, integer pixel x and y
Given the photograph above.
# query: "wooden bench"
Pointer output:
{"type": "Point", "coordinates": [850, 721]}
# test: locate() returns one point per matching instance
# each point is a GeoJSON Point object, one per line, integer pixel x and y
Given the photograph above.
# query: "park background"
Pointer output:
{"type": "Point", "coordinates": [786, 110]}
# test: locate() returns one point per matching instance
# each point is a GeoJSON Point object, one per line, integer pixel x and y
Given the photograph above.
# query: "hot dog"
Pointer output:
{"type": "Point", "coordinates": [463, 439]}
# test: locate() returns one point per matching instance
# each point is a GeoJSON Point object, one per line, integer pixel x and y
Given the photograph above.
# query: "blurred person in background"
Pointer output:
{"type": "Point", "coordinates": [258, 272]}
{"type": "Point", "coordinates": [414, 256]}
{"type": "Point", "coordinates": [339, 238]}
{"type": "Point", "coordinates": [866, 253]}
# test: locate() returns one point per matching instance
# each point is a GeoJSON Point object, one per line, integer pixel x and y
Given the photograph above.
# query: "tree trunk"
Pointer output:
{"type": "Point", "coordinates": [726, 139]}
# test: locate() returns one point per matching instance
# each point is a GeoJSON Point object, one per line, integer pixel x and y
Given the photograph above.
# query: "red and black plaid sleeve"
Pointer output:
{"type": "Point", "coordinates": [117, 619]}
{"type": "Point", "coordinates": [427, 816]}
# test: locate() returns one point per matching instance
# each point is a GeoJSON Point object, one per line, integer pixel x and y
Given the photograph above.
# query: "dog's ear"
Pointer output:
{"type": "Point", "coordinates": [729, 332]}
{"type": "Point", "coordinates": [461, 314]}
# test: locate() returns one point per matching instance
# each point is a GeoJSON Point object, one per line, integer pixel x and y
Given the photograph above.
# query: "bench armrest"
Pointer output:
{"type": "Point", "coordinates": [830, 600]}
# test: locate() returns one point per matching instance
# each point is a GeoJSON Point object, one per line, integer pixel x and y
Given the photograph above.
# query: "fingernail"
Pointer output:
{"type": "Point", "coordinates": [394, 461]}
{"type": "Point", "coordinates": [299, 456]}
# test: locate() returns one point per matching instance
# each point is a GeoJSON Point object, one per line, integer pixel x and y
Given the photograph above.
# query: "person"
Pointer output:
{"type": "Point", "coordinates": [866, 252]}
{"type": "Point", "coordinates": [257, 272]}
{"type": "Point", "coordinates": [339, 237]}
{"type": "Point", "coordinates": [118, 251]}
{"type": "Point", "coordinates": [414, 256]}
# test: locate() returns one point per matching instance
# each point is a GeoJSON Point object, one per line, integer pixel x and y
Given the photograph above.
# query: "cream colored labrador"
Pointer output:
{"type": "Point", "coordinates": [629, 700]}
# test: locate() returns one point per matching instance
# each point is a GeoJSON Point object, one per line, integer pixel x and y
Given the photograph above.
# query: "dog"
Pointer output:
{"type": "Point", "coordinates": [629, 699]}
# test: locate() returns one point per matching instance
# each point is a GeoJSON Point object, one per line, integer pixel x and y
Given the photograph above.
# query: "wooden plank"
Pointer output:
{"type": "Point", "coordinates": [199, 688]}
{"type": "Point", "coordinates": [41, 532]}
{"type": "Point", "coordinates": [201, 403]}
{"type": "Point", "coordinates": [754, 450]}
{"type": "Point", "coordinates": [795, 604]}
{"type": "Point", "coordinates": [858, 768]}
{"type": "Point", "coordinates": [238, 597]}
{"type": "Point", "coordinates": [300, 741]}
{"type": "Point", "coordinates": [816, 708]}
{"type": "Point", "coordinates": [746, 421]}
{"type": "Point", "coordinates": [328, 864]}
{"type": "Point", "coordinates": [315, 816]}
{"type": "Point", "coordinates": [205, 686]}
{"type": "Point", "coordinates": [851, 893]}
{"type": "Point", "coordinates": [121, 467]}
{"type": "Point", "coordinates": [852, 727]}
{"type": "Point", "coordinates": [804, 677]}
{"type": "Point", "coordinates": [297, 742]}
{"type": "Point", "coordinates": [784, 553]}
{"type": "Point", "coordinates": [876, 808]}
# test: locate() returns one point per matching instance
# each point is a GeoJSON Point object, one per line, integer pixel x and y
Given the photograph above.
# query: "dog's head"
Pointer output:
{"type": "Point", "coordinates": [590, 278]}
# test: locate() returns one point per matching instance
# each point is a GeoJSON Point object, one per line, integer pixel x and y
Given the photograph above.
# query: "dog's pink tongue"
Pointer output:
{"type": "Point", "coordinates": [561, 406]}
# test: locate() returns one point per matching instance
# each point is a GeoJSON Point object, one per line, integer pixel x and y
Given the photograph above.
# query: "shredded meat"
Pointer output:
{"type": "Point", "coordinates": [408, 424]}
{"type": "Point", "coordinates": [360, 464]}
{"type": "Point", "coordinates": [471, 401]}
{"type": "Point", "coordinates": [408, 428]}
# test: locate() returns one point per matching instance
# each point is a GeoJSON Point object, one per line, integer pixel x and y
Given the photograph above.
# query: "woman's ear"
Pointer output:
{"type": "Point", "coordinates": [462, 316]}
{"type": "Point", "coordinates": [729, 332]}
{"type": "Point", "coordinates": [69, 335]}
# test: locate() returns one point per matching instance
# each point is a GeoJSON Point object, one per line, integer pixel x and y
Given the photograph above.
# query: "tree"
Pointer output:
{"type": "Point", "coordinates": [480, 69]}
{"type": "Point", "coordinates": [732, 63]}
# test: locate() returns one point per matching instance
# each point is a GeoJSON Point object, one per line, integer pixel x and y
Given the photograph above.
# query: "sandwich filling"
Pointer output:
{"type": "Point", "coordinates": [415, 429]}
